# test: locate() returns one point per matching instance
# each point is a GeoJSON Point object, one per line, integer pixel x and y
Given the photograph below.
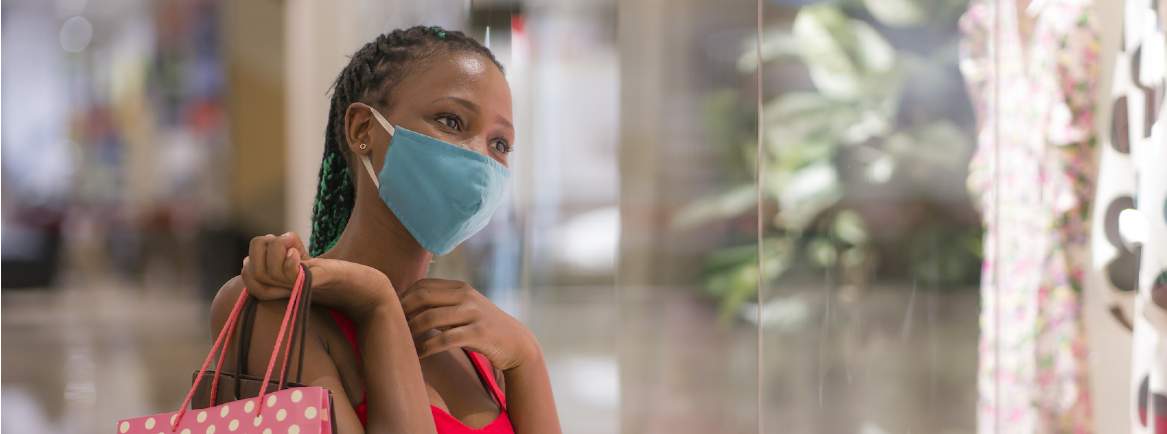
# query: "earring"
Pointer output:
{"type": "Point", "coordinates": [364, 146]}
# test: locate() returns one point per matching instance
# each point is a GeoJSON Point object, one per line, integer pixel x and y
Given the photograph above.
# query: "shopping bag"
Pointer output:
{"type": "Point", "coordinates": [294, 410]}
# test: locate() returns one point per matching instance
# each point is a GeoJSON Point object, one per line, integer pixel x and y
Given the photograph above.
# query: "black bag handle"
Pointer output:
{"type": "Point", "coordinates": [299, 330]}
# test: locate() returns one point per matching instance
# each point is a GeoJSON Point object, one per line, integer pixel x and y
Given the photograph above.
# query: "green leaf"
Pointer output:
{"type": "Point", "coordinates": [777, 44]}
{"type": "Point", "coordinates": [896, 13]}
{"type": "Point", "coordinates": [849, 227]}
{"type": "Point", "coordinates": [840, 53]}
{"type": "Point", "coordinates": [822, 251]}
{"type": "Point", "coordinates": [729, 204]}
{"type": "Point", "coordinates": [735, 284]}
{"type": "Point", "coordinates": [810, 191]}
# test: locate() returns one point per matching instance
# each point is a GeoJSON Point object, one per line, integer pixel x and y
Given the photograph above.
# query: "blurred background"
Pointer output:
{"type": "Point", "coordinates": [145, 142]}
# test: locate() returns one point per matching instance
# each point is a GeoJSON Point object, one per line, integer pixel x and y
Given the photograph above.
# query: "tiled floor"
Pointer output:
{"type": "Point", "coordinates": [76, 359]}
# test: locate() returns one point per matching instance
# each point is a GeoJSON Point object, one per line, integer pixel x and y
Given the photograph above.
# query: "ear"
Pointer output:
{"type": "Point", "coordinates": [358, 130]}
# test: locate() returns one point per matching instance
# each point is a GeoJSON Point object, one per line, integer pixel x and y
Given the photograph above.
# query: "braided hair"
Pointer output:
{"type": "Point", "coordinates": [369, 77]}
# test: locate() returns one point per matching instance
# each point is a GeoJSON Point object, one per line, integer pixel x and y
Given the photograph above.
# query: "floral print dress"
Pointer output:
{"type": "Point", "coordinates": [1035, 202]}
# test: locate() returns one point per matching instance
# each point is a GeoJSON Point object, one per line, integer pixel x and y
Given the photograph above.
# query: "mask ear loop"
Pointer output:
{"type": "Point", "coordinates": [369, 170]}
{"type": "Point", "coordinates": [365, 158]}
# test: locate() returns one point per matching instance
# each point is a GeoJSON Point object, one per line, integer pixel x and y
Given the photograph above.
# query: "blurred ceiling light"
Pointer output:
{"type": "Point", "coordinates": [76, 34]}
{"type": "Point", "coordinates": [589, 241]}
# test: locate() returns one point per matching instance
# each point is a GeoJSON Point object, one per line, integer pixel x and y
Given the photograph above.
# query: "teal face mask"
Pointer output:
{"type": "Point", "coordinates": [442, 193]}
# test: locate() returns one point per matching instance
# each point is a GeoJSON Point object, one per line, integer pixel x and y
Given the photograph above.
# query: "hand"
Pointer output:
{"type": "Point", "coordinates": [272, 264]}
{"type": "Point", "coordinates": [445, 314]}
{"type": "Point", "coordinates": [270, 271]}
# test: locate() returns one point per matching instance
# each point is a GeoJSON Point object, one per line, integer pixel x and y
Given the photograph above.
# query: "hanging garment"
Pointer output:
{"type": "Point", "coordinates": [1130, 240]}
{"type": "Point", "coordinates": [1032, 178]}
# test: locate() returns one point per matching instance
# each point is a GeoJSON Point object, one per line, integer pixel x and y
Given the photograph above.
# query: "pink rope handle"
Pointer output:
{"type": "Point", "coordinates": [225, 336]}
{"type": "Point", "coordinates": [231, 322]}
{"type": "Point", "coordinates": [289, 312]}
{"type": "Point", "coordinates": [230, 325]}
{"type": "Point", "coordinates": [291, 340]}
{"type": "Point", "coordinates": [226, 331]}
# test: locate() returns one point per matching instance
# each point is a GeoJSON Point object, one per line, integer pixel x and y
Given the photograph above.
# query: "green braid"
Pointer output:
{"type": "Point", "coordinates": [369, 77]}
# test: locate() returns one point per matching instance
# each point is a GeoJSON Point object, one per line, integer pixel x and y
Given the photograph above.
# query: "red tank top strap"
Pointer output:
{"type": "Point", "coordinates": [480, 362]}
{"type": "Point", "coordinates": [482, 365]}
{"type": "Point", "coordinates": [348, 328]}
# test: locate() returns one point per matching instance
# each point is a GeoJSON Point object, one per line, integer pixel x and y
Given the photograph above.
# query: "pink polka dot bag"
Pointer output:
{"type": "Point", "coordinates": [294, 410]}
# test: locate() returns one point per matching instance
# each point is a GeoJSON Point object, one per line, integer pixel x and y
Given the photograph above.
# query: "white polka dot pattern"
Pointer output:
{"type": "Point", "coordinates": [301, 410]}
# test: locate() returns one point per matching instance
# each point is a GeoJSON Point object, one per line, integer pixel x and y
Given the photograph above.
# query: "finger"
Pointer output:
{"type": "Point", "coordinates": [444, 341]}
{"type": "Point", "coordinates": [418, 298]}
{"type": "Point", "coordinates": [441, 318]}
{"type": "Point", "coordinates": [256, 252]}
{"type": "Point", "coordinates": [274, 261]}
{"type": "Point", "coordinates": [293, 242]}
{"type": "Point", "coordinates": [291, 265]}
{"type": "Point", "coordinates": [254, 287]}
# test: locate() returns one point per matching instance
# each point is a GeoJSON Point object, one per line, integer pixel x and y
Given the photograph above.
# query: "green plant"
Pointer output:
{"type": "Point", "coordinates": [848, 131]}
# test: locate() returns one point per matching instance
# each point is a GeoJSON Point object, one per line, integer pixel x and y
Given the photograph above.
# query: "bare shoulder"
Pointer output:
{"type": "Point", "coordinates": [320, 368]}
{"type": "Point", "coordinates": [266, 324]}
{"type": "Point", "coordinates": [269, 314]}
{"type": "Point", "coordinates": [223, 302]}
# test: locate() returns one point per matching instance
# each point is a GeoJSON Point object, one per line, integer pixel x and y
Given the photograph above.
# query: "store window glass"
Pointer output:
{"type": "Point", "coordinates": [794, 216]}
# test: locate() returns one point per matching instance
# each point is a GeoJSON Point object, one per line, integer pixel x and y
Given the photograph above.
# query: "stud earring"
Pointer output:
{"type": "Point", "coordinates": [364, 146]}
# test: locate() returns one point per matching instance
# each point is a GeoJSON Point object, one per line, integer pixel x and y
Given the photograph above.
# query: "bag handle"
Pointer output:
{"type": "Point", "coordinates": [290, 313]}
{"type": "Point", "coordinates": [298, 329]}
{"type": "Point", "coordinates": [243, 342]}
{"type": "Point", "coordinates": [299, 321]}
{"type": "Point", "coordinates": [225, 336]}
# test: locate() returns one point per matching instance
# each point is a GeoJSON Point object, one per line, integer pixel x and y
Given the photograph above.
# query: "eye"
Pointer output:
{"type": "Point", "coordinates": [451, 121]}
{"type": "Point", "coordinates": [501, 146]}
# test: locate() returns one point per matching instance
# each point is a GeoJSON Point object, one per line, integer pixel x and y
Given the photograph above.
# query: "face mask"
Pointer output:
{"type": "Point", "coordinates": [441, 193]}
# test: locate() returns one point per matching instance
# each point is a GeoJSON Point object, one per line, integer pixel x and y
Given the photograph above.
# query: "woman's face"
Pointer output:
{"type": "Point", "coordinates": [461, 98]}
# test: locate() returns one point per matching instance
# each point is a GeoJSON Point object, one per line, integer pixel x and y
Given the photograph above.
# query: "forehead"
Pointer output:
{"type": "Point", "coordinates": [465, 75]}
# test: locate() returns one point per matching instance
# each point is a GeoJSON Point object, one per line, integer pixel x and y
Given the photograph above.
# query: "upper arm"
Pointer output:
{"type": "Point", "coordinates": [318, 368]}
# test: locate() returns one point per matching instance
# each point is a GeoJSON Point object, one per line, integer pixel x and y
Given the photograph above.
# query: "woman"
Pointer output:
{"type": "Point", "coordinates": [402, 353]}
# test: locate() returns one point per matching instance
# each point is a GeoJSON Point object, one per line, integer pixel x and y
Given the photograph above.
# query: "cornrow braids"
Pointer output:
{"type": "Point", "coordinates": [369, 77]}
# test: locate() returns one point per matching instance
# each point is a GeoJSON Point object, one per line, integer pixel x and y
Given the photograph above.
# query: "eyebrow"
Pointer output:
{"type": "Point", "coordinates": [470, 105]}
{"type": "Point", "coordinates": [461, 101]}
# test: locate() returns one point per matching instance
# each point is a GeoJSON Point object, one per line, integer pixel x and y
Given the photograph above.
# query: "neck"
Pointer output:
{"type": "Point", "coordinates": [377, 239]}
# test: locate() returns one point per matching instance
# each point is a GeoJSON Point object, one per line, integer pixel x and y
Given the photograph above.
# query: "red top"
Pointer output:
{"type": "Point", "coordinates": [445, 423]}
